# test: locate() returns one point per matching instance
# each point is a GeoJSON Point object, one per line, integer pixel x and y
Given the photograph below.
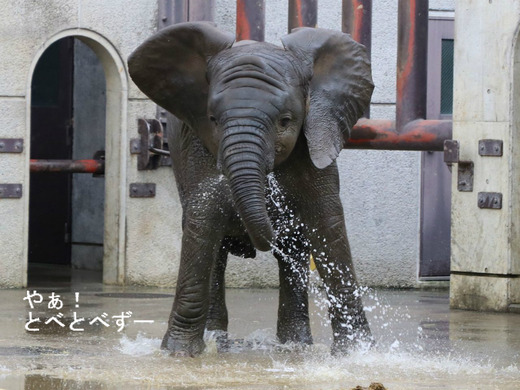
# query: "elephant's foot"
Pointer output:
{"type": "Point", "coordinates": [217, 324]}
{"type": "Point", "coordinates": [344, 344]}
{"type": "Point", "coordinates": [182, 347]}
{"type": "Point", "coordinates": [293, 331]}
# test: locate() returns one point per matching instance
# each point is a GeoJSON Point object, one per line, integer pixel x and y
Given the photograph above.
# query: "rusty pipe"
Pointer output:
{"type": "Point", "coordinates": [420, 135]}
{"type": "Point", "coordinates": [250, 20]}
{"type": "Point", "coordinates": [412, 50]}
{"type": "Point", "coordinates": [67, 166]}
{"type": "Point", "coordinates": [357, 21]}
{"type": "Point", "coordinates": [302, 13]}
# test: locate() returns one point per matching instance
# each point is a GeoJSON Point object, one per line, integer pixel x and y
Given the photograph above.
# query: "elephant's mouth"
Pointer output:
{"type": "Point", "coordinates": [244, 161]}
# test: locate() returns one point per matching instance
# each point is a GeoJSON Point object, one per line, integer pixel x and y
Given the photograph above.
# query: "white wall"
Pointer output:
{"type": "Point", "coordinates": [485, 251]}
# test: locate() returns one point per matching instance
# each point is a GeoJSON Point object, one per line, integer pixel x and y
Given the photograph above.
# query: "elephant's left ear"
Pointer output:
{"type": "Point", "coordinates": [340, 87]}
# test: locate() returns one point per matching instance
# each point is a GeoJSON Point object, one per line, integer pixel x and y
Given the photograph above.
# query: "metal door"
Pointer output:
{"type": "Point", "coordinates": [436, 177]}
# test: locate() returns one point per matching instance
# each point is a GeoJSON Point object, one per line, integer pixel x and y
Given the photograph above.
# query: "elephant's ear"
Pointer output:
{"type": "Point", "coordinates": [170, 68]}
{"type": "Point", "coordinates": [340, 87]}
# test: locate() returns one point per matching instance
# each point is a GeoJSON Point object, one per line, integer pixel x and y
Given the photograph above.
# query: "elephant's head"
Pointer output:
{"type": "Point", "coordinates": [249, 102]}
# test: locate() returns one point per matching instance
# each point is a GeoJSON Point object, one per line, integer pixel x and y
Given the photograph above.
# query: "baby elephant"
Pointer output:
{"type": "Point", "coordinates": [242, 114]}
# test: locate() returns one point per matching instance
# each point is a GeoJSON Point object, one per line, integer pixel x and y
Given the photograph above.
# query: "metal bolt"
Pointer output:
{"type": "Point", "coordinates": [2, 145]}
{"type": "Point", "coordinates": [18, 145]}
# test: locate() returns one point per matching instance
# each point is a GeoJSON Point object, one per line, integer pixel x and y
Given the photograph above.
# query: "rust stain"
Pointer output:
{"type": "Point", "coordinates": [416, 135]}
{"type": "Point", "coordinates": [357, 8]}
{"type": "Point", "coordinates": [404, 73]}
{"type": "Point", "coordinates": [243, 27]}
{"type": "Point", "coordinates": [299, 15]}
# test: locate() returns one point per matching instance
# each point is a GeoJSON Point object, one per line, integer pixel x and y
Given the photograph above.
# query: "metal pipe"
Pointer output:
{"type": "Point", "coordinates": [68, 166]}
{"type": "Point", "coordinates": [199, 10]}
{"type": "Point", "coordinates": [172, 12]}
{"type": "Point", "coordinates": [421, 135]}
{"type": "Point", "coordinates": [357, 21]}
{"type": "Point", "coordinates": [412, 36]}
{"type": "Point", "coordinates": [250, 20]}
{"type": "Point", "coordinates": [302, 13]}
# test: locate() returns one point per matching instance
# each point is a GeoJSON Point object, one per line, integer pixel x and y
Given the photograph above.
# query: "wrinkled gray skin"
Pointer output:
{"type": "Point", "coordinates": [243, 111]}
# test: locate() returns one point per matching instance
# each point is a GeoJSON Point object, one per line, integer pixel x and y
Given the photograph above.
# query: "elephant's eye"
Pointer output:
{"type": "Point", "coordinates": [213, 119]}
{"type": "Point", "coordinates": [284, 122]}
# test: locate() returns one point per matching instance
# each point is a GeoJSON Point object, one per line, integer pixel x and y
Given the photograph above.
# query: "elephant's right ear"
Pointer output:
{"type": "Point", "coordinates": [170, 68]}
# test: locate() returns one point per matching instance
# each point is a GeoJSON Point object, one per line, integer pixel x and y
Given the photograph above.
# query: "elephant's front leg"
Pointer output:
{"type": "Point", "coordinates": [293, 304]}
{"type": "Point", "coordinates": [331, 251]}
{"type": "Point", "coordinates": [333, 260]}
{"type": "Point", "coordinates": [190, 307]}
{"type": "Point", "coordinates": [218, 315]}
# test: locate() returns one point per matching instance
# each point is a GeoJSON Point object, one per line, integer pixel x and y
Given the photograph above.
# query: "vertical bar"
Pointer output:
{"type": "Point", "coordinates": [302, 13]}
{"type": "Point", "coordinates": [357, 21]}
{"type": "Point", "coordinates": [412, 51]}
{"type": "Point", "coordinates": [199, 10]}
{"type": "Point", "coordinates": [171, 12]}
{"type": "Point", "coordinates": [180, 11]}
{"type": "Point", "coordinates": [164, 13]}
{"type": "Point", "coordinates": [251, 20]}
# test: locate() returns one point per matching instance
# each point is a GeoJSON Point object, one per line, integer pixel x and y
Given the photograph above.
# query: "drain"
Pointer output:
{"type": "Point", "coordinates": [134, 295]}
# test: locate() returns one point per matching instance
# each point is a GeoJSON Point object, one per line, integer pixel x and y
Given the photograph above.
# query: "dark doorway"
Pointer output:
{"type": "Point", "coordinates": [51, 138]}
{"type": "Point", "coordinates": [68, 115]}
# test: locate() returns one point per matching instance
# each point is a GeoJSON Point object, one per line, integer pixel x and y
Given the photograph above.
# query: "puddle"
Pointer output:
{"type": "Point", "coordinates": [421, 344]}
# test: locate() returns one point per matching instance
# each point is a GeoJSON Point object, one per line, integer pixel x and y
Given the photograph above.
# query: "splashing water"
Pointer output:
{"type": "Point", "coordinates": [141, 346]}
{"type": "Point", "coordinates": [289, 229]}
{"type": "Point", "coordinates": [420, 344]}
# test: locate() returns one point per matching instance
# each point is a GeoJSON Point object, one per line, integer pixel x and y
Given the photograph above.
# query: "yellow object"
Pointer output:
{"type": "Point", "coordinates": [313, 265]}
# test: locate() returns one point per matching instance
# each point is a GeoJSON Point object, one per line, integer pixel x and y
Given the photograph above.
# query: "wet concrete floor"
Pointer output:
{"type": "Point", "coordinates": [421, 344]}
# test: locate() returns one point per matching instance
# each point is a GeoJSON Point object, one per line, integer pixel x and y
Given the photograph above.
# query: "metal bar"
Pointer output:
{"type": "Point", "coordinates": [251, 20]}
{"type": "Point", "coordinates": [68, 166]}
{"type": "Point", "coordinates": [425, 135]}
{"type": "Point", "coordinates": [302, 13]}
{"type": "Point", "coordinates": [11, 145]}
{"type": "Point", "coordinates": [11, 191]}
{"type": "Point", "coordinates": [199, 10]}
{"type": "Point", "coordinates": [357, 21]}
{"type": "Point", "coordinates": [412, 36]}
{"type": "Point", "coordinates": [171, 12]}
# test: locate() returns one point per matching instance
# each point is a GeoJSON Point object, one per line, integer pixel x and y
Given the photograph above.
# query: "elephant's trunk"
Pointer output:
{"type": "Point", "coordinates": [245, 159]}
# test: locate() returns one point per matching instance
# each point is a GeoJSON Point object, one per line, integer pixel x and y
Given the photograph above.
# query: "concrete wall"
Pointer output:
{"type": "Point", "coordinates": [380, 190]}
{"type": "Point", "coordinates": [485, 252]}
{"type": "Point", "coordinates": [135, 244]}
